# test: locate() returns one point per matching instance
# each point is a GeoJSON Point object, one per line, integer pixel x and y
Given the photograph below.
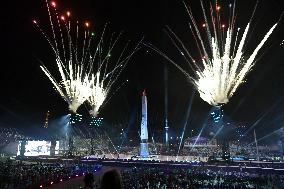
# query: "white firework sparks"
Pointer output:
{"type": "Point", "coordinates": [74, 85]}
{"type": "Point", "coordinates": [85, 72]}
{"type": "Point", "coordinates": [223, 73]}
{"type": "Point", "coordinates": [223, 67]}
{"type": "Point", "coordinates": [106, 74]}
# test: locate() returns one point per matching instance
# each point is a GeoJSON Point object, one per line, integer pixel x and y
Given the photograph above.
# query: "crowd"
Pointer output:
{"type": "Point", "coordinates": [204, 151]}
{"type": "Point", "coordinates": [18, 175]}
{"type": "Point", "coordinates": [7, 136]}
{"type": "Point", "coordinates": [157, 178]}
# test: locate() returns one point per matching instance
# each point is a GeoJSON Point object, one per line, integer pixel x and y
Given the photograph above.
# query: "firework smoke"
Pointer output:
{"type": "Point", "coordinates": [223, 67]}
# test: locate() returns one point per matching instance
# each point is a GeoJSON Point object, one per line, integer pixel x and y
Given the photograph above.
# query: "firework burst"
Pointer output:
{"type": "Point", "coordinates": [82, 62]}
{"type": "Point", "coordinates": [107, 71]}
{"type": "Point", "coordinates": [223, 66]}
{"type": "Point", "coordinates": [73, 85]}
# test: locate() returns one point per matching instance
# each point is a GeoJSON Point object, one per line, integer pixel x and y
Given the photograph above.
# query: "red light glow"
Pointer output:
{"type": "Point", "coordinates": [53, 4]}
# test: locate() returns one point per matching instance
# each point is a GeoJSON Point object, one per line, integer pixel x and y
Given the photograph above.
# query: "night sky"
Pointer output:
{"type": "Point", "coordinates": [26, 93]}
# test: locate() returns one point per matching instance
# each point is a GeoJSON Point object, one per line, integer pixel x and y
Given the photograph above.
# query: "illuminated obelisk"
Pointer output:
{"type": "Point", "coordinates": [144, 152]}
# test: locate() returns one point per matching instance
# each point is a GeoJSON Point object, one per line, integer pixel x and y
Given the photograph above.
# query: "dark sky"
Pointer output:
{"type": "Point", "coordinates": [26, 94]}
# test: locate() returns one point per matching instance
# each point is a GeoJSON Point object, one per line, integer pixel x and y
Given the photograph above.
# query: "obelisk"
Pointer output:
{"type": "Point", "coordinates": [144, 152]}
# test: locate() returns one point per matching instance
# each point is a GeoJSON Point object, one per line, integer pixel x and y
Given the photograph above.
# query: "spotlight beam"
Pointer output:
{"type": "Point", "coordinates": [263, 116]}
{"type": "Point", "coordinates": [186, 120]}
{"type": "Point", "coordinates": [266, 136]}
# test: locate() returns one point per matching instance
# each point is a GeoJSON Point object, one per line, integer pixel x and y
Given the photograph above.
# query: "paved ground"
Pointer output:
{"type": "Point", "coordinates": [76, 183]}
{"type": "Point", "coordinates": [71, 184]}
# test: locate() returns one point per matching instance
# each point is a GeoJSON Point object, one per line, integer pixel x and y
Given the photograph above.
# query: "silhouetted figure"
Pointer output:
{"type": "Point", "coordinates": [111, 180]}
{"type": "Point", "coordinates": [89, 181]}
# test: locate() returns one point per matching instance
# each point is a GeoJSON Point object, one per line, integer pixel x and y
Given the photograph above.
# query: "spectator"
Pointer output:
{"type": "Point", "coordinates": [89, 181]}
{"type": "Point", "coordinates": [111, 179]}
